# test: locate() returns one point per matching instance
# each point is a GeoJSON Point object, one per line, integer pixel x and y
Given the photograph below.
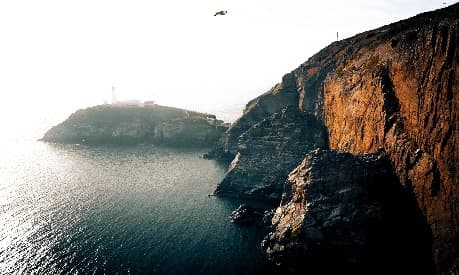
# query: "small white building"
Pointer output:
{"type": "Point", "coordinates": [130, 102]}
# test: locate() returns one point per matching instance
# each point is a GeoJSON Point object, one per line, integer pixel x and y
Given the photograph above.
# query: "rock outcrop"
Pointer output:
{"type": "Point", "coordinates": [352, 212]}
{"type": "Point", "coordinates": [276, 144]}
{"type": "Point", "coordinates": [131, 124]}
{"type": "Point", "coordinates": [394, 89]}
{"type": "Point", "coordinates": [249, 215]}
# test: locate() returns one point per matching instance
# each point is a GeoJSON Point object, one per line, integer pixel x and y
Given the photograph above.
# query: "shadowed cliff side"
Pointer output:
{"type": "Point", "coordinates": [393, 89]}
{"type": "Point", "coordinates": [346, 214]}
{"type": "Point", "coordinates": [401, 94]}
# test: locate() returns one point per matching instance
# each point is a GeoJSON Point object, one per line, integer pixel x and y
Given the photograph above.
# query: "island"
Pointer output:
{"type": "Point", "coordinates": [134, 124]}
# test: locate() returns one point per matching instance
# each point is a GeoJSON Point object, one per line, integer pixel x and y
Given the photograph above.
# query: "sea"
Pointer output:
{"type": "Point", "coordinates": [141, 209]}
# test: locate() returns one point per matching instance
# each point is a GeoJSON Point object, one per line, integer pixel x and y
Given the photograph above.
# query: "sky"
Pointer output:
{"type": "Point", "coordinates": [59, 55]}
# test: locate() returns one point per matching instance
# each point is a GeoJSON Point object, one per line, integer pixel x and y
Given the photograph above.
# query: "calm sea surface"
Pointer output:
{"type": "Point", "coordinates": [138, 209]}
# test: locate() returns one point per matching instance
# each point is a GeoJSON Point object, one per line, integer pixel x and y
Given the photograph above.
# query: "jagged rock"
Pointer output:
{"type": "Point", "coordinates": [276, 144]}
{"type": "Point", "coordinates": [394, 88]}
{"type": "Point", "coordinates": [248, 215]}
{"type": "Point", "coordinates": [280, 96]}
{"type": "Point", "coordinates": [131, 124]}
{"type": "Point", "coordinates": [268, 217]}
{"type": "Point", "coordinates": [253, 216]}
{"type": "Point", "coordinates": [350, 212]}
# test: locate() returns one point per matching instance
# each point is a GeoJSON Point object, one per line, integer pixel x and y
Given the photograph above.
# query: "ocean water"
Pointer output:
{"type": "Point", "coordinates": [108, 209]}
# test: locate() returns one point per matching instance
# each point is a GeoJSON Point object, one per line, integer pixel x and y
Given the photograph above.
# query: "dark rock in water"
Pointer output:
{"type": "Point", "coordinates": [345, 213]}
{"type": "Point", "coordinates": [154, 124]}
{"type": "Point", "coordinates": [226, 157]}
{"type": "Point", "coordinates": [247, 215]}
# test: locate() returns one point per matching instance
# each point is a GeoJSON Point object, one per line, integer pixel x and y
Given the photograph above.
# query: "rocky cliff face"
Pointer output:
{"type": "Point", "coordinates": [352, 212]}
{"type": "Point", "coordinates": [287, 136]}
{"type": "Point", "coordinates": [129, 125]}
{"type": "Point", "coordinates": [394, 89]}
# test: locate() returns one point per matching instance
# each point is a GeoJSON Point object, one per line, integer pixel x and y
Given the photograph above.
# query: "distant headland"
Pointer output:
{"type": "Point", "coordinates": [131, 123]}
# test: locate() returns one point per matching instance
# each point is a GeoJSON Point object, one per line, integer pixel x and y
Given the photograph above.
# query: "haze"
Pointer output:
{"type": "Point", "coordinates": [58, 56]}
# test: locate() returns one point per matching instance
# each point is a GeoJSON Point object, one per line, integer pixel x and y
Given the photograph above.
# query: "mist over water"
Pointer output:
{"type": "Point", "coordinates": [138, 209]}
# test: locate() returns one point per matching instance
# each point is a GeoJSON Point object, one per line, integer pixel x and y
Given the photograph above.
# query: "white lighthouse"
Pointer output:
{"type": "Point", "coordinates": [114, 101]}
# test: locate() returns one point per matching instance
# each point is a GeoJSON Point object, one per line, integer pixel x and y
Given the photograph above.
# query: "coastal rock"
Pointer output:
{"type": "Point", "coordinates": [132, 124]}
{"type": "Point", "coordinates": [276, 144]}
{"type": "Point", "coordinates": [400, 92]}
{"type": "Point", "coordinates": [280, 96]}
{"type": "Point", "coordinates": [247, 215]}
{"type": "Point", "coordinates": [393, 89]}
{"type": "Point", "coordinates": [350, 211]}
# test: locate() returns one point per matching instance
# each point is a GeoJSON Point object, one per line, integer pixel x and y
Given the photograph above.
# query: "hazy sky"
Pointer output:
{"type": "Point", "coordinates": [59, 55]}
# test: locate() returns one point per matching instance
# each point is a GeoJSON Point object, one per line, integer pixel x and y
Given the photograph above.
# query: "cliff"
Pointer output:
{"type": "Point", "coordinates": [131, 124]}
{"type": "Point", "coordinates": [348, 214]}
{"type": "Point", "coordinates": [276, 144]}
{"type": "Point", "coordinates": [392, 90]}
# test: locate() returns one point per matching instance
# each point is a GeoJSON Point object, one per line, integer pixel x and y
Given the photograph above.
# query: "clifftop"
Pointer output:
{"type": "Point", "coordinates": [131, 124]}
{"type": "Point", "coordinates": [393, 90]}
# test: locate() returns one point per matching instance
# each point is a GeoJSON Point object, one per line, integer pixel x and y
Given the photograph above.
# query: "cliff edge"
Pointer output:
{"type": "Point", "coordinates": [392, 90]}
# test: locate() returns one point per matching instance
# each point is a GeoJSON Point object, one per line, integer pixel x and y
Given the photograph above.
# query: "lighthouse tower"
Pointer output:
{"type": "Point", "coordinates": [114, 101]}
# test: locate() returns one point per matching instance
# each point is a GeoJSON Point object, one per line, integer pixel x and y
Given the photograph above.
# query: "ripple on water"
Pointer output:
{"type": "Point", "coordinates": [117, 209]}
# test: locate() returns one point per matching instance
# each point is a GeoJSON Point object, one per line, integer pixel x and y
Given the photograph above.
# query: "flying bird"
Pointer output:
{"type": "Point", "coordinates": [220, 13]}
